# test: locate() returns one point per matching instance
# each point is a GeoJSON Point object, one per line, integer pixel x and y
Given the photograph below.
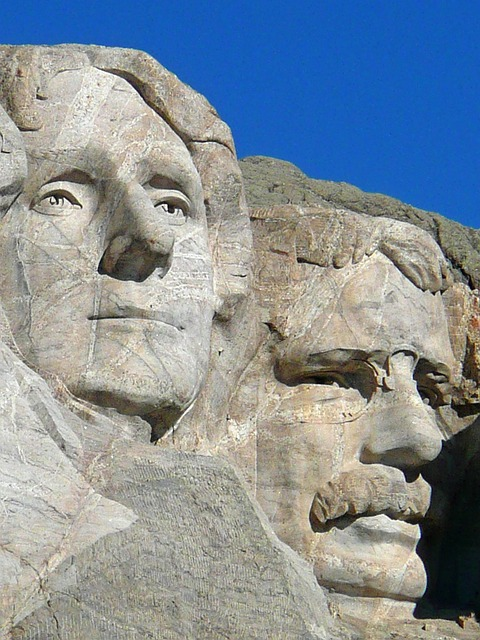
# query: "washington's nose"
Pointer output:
{"type": "Point", "coordinates": [402, 430]}
{"type": "Point", "coordinates": [138, 241]}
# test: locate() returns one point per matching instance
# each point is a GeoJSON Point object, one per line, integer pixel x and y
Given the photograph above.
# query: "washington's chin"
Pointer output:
{"type": "Point", "coordinates": [160, 402]}
{"type": "Point", "coordinates": [374, 557]}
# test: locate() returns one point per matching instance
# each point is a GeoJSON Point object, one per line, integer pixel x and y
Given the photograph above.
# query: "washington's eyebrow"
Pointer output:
{"type": "Point", "coordinates": [71, 175]}
{"type": "Point", "coordinates": [164, 182]}
{"type": "Point", "coordinates": [96, 164]}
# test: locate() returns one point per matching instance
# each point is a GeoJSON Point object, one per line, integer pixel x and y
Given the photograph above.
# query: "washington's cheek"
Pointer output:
{"type": "Point", "coordinates": [46, 286]}
{"type": "Point", "coordinates": [190, 276]}
{"type": "Point", "coordinates": [60, 284]}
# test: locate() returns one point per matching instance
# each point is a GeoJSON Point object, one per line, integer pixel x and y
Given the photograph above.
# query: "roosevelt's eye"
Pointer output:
{"type": "Point", "coordinates": [429, 396]}
{"type": "Point", "coordinates": [325, 395]}
{"type": "Point", "coordinates": [56, 203]}
{"type": "Point", "coordinates": [329, 378]}
{"type": "Point", "coordinates": [433, 386]}
{"type": "Point", "coordinates": [357, 375]}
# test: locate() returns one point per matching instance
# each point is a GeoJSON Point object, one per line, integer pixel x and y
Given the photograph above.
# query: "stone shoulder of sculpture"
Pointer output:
{"type": "Point", "coordinates": [49, 510]}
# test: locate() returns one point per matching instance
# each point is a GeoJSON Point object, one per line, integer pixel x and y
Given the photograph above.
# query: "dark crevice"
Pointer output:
{"type": "Point", "coordinates": [450, 542]}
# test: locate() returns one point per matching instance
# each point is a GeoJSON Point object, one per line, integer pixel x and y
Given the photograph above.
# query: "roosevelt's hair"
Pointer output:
{"type": "Point", "coordinates": [331, 237]}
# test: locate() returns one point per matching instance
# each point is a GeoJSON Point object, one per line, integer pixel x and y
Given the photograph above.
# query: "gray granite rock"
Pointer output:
{"type": "Point", "coordinates": [199, 564]}
{"type": "Point", "coordinates": [135, 311]}
{"type": "Point", "coordinates": [271, 181]}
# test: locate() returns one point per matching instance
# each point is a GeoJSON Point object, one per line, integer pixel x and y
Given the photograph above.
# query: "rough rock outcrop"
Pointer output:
{"type": "Point", "coordinates": [269, 181]}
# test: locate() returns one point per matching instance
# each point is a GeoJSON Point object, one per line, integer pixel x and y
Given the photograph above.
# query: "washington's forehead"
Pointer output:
{"type": "Point", "coordinates": [96, 122]}
{"type": "Point", "coordinates": [82, 103]}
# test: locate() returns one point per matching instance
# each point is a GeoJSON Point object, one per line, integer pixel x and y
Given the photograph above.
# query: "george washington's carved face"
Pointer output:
{"type": "Point", "coordinates": [347, 422]}
{"type": "Point", "coordinates": [106, 276]}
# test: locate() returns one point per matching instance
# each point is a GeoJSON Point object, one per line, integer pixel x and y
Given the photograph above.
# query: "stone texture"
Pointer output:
{"type": "Point", "coordinates": [198, 563]}
{"type": "Point", "coordinates": [334, 399]}
{"type": "Point", "coordinates": [269, 181]}
{"type": "Point", "coordinates": [49, 510]}
{"type": "Point", "coordinates": [327, 366]}
{"type": "Point", "coordinates": [124, 232]}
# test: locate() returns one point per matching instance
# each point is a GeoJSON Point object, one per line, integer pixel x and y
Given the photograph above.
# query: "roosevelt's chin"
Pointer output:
{"type": "Point", "coordinates": [370, 568]}
{"type": "Point", "coordinates": [373, 557]}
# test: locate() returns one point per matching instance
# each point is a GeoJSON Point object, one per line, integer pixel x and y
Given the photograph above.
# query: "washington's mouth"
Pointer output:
{"type": "Point", "coordinates": [367, 492]}
{"type": "Point", "coordinates": [135, 313]}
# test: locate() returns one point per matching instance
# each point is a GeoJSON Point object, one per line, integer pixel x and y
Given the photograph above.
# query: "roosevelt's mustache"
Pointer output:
{"type": "Point", "coordinates": [369, 490]}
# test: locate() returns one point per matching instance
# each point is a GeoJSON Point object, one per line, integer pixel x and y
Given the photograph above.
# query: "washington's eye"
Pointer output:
{"type": "Point", "coordinates": [172, 204]}
{"type": "Point", "coordinates": [56, 203]}
{"type": "Point", "coordinates": [171, 209]}
{"type": "Point", "coordinates": [57, 200]}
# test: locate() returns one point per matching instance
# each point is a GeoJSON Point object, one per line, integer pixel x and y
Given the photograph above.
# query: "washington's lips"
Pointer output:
{"type": "Point", "coordinates": [130, 312]}
{"type": "Point", "coordinates": [370, 490]}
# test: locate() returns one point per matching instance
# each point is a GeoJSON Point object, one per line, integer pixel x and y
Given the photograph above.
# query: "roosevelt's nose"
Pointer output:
{"type": "Point", "coordinates": [402, 431]}
{"type": "Point", "coordinates": [139, 242]}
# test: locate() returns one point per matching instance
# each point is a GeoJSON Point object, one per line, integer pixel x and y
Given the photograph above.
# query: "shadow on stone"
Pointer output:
{"type": "Point", "coordinates": [450, 544]}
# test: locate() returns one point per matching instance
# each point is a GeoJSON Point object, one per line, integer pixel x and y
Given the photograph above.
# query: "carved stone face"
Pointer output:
{"type": "Point", "coordinates": [106, 276]}
{"type": "Point", "coordinates": [348, 422]}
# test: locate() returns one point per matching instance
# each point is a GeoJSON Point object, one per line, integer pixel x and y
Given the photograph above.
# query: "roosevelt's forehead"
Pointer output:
{"type": "Point", "coordinates": [371, 306]}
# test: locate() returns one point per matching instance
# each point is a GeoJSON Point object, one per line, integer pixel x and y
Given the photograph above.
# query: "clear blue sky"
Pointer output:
{"type": "Point", "coordinates": [383, 94]}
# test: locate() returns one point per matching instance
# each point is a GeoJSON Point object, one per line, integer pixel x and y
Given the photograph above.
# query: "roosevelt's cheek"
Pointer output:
{"type": "Point", "coordinates": [294, 458]}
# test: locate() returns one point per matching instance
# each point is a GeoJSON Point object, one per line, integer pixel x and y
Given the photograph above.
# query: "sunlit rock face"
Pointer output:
{"type": "Point", "coordinates": [329, 365]}
{"type": "Point", "coordinates": [345, 396]}
{"type": "Point", "coordinates": [108, 274]}
{"type": "Point", "coordinates": [124, 230]}
{"type": "Point", "coordinates": [107, 278]}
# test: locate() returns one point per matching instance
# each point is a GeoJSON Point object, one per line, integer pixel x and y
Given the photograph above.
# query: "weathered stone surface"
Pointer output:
{"type": "Point", "coordinates": [49, 510]}
{"type": "Point", "coordinates": [198, 563]}
{"type": "Point", "coordinates": [269, 181]}
{"type": "Point", "coordinates": [334, 399]}
{"type": "Point", "coordinates": [129, 315]}
{"type": "Point", "coordinates": [124, 231]}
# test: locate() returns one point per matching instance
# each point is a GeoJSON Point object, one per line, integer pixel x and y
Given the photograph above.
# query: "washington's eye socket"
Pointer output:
{"type": "Point", "coordinates": [66, 195]}
{"type": "Point", "coordinates": [56, 202]}
{"type": "Point", "coordinates": [173, 205]}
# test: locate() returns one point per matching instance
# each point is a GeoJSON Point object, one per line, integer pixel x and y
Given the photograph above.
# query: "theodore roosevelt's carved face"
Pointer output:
{"type": "Point", "coordinates": [347, 421]}
{"type": "Point", "coordinates": [106, 275]}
